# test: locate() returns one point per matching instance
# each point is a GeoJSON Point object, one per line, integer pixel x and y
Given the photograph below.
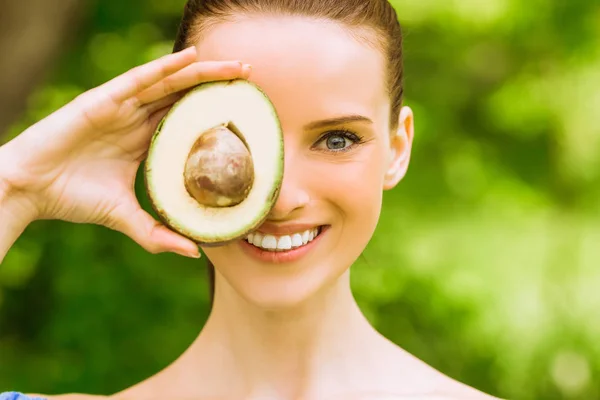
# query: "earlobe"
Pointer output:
{"type": "Point", "coordinates": [400, 149]}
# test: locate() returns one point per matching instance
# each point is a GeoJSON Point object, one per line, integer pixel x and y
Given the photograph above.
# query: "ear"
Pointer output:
{"type": "Point", "coordinates": [400, 148]}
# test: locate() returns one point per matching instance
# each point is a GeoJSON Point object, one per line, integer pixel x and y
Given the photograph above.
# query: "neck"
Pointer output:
{"type": "Point", "coordinates": [287, 353]}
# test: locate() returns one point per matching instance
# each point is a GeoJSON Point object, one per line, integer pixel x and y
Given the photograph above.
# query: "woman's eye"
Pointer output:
{"type": "Point", "coordinates": [338, 141]}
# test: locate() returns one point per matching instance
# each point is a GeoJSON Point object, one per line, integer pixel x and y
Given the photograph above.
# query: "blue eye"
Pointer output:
{"type": "Point", "coordinates": [337, 142]}
{"type": "Point", "coordinates": [340, 140]}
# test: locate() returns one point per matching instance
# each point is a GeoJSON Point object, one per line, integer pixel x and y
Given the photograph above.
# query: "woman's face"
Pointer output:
{"type": "Point", "coordinates": [315, 73]}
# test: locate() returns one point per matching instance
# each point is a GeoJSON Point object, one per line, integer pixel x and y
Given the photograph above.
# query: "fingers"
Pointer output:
{"type": "Point", "coordinates": [162, 103]}
{"type": "Point", "coordinates": [170, 74]}
{"type": "Point", "coordinates": [156, 238]}
{"type": "Point", "coordinates": [140, 78]}
{"type": "Point", "coordinates": [165, 93]}
{"type": "Point", "coordinates": [192, 75]}
{"type": "Point", "coordinates": [157, 116]}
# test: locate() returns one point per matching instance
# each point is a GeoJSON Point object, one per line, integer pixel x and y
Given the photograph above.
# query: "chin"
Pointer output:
{"type": "Point", "coordinates": [273, 281]}
{"type": "Point", "coordinates": [277, 288]}
{"type": "Point", "coordinates": [273, 292]}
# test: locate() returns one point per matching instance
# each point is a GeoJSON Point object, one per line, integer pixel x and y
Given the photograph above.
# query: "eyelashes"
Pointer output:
{"type": "Point", "coordinates": [331, 139]}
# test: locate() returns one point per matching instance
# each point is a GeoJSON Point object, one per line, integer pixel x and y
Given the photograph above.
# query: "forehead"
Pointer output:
{"type": "Point", "coordinates": [309, 68]}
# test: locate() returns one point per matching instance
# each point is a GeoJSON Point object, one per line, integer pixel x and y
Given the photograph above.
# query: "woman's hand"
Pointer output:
{"type": "Point", "coordinates": [79, 163]}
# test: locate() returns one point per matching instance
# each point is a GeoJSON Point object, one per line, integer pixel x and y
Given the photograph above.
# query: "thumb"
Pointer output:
{"type": "Point", "coordinates": [153, 236]}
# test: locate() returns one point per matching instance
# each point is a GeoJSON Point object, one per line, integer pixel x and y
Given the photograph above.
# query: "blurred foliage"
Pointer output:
{"type": "Point", "coordinates": [486, 262]}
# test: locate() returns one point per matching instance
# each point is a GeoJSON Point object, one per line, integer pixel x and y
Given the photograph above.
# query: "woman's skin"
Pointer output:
{"type": "Point", "coordinates": [278, 330]}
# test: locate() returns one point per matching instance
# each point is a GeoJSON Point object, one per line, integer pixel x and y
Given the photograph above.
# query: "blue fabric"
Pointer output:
{"type": "Point", "coordinates": [17, 396]}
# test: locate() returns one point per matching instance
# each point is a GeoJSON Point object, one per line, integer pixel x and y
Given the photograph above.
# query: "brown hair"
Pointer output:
{"type": "Point", "coordinates": [377, 15]}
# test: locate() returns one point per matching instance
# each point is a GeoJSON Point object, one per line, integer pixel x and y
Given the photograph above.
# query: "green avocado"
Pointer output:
{"type": "Point", "coordinates": [215, 163]}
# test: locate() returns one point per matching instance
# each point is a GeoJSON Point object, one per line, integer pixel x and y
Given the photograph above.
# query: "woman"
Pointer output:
{"type": "Point", "coordinates": [283, 325]}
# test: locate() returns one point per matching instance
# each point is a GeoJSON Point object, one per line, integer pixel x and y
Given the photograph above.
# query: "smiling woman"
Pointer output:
{"type": "Point", "coordinates": [284, 323]}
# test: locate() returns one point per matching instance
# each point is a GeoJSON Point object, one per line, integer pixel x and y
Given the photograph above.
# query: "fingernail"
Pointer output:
{"type": "Point", "coordinates": [194, 254]}
{"type": "Point", "coordinates": [190, 254]}
{"type": "Point", "coordinates": [246, 69]}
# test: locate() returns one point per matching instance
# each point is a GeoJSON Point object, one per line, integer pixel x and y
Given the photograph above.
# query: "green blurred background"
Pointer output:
{"type": "Point", "coordinates": [486, 263]}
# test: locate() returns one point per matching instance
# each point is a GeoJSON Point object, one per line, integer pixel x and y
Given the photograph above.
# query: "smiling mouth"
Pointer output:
{"type": "Point", "coordinates": [282, 243]}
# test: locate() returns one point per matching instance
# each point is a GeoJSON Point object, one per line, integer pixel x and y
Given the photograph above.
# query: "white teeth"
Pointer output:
{"type": "Point", "coordinates": [284, 242]}
{"type": "Point", "coordinates": [297, 240]}
{"type": "Point", "coordinates": [257, 240]}
{"type": "Point", "coordinates": [305, 235]}
{"type": "Point", "coordinates": [269, 242]}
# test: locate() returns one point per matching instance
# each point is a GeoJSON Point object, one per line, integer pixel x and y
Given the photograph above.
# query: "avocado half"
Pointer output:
{"type": "Point", "coordinates": [245, 108]}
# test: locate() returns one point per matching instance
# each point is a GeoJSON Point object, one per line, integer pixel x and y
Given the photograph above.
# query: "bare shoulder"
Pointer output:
{"type": "Point", "coordinates": [450, 389]}
{"type": "Point", "coordinates": [440, 396]}
{"type": "Point", "coordinates": [433, 396]}
{"type": "Point", "coordinates": [464, 395]}
{"type": "Point", "coordinates": [426, 382]}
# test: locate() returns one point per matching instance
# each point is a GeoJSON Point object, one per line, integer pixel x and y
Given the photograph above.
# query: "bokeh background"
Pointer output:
{"type": "Point", "coordinates": [486, 263]}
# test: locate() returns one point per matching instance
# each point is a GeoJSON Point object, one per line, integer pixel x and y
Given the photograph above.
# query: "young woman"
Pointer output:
{"type": "Point", "coordinates": [284, 325]}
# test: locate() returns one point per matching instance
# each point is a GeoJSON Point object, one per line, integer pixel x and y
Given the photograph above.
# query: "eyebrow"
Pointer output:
{"type": "Point", "coordinates": [337, 121]}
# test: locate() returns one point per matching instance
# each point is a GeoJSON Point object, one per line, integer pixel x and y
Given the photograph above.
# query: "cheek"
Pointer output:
{"type": "Point", "coordinates": [354, 186]}
{"type": "Point", "coordinates": [352, 191]}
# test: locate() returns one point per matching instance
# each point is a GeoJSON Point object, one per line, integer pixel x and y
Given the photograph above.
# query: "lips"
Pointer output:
{"type": "Point", "coordinates": [284, 255]}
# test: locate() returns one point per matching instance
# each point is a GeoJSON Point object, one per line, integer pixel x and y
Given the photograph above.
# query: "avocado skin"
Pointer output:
{"type": "Point", "coordinates": [164, 217]}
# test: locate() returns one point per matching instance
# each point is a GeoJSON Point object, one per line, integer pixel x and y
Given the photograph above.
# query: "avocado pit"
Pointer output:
{"type": "Point", "coordinates": [219, 171]}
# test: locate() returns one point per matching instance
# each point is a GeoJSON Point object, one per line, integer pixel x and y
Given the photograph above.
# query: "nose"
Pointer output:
{"type": "Point", "coordinates": [293, 196]}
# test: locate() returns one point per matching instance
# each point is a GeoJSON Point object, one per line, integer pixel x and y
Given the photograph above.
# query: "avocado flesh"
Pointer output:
{"type": "Point", "coordinates": [244, 105]}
